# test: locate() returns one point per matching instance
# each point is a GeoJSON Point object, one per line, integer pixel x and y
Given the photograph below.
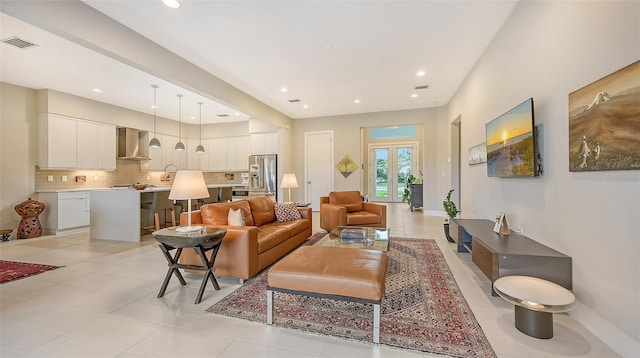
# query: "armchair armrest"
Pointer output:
{"type": "Point", "coordinates": [305, 212]}
{"type": "Point", "coordinates": [377, 209]}
{"type": "Point", "coordinates": [332, 216]}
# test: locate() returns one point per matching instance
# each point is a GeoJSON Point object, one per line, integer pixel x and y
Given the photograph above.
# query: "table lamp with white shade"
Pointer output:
{"type": "Point", "coordinates": [289, 181]}
{"type": "Point", "coordinates": [187, 185]}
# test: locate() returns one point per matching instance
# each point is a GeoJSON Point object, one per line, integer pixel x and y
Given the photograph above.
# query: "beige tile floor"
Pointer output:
{"type": "Point", "coordinates": [103, 303]}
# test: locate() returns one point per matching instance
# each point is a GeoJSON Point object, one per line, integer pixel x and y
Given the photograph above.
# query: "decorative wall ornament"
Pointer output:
{"type": "Point", "coordinates": [478, 154]}
{"type": "Point", "coordinates": [346, 166]}
{"type": "Point", "coordinates": [604, 123]}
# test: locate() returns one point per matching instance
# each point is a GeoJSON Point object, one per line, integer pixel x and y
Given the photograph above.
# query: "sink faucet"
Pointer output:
{"type": "Point", "coordinates": [165, 176]}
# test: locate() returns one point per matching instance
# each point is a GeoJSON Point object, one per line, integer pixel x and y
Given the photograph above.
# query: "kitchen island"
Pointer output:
{"type": "Point", "coordinates": [115, 212]}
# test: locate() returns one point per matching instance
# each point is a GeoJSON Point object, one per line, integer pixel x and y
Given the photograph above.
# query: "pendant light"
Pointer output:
{"type": "Point", "coordinates": [180, 145]}
{"type": "Point", "coordinates": [154, 142]}
{"type": "Point", "coordinates": [200, 148]}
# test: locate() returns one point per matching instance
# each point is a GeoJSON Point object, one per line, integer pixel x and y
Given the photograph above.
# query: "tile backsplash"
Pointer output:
{"type": "Point", "coordinates": [127, 172]}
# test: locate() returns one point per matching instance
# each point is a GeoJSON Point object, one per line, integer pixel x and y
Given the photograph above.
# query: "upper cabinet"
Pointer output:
{"type": "Point", "coordinates": [264, 143]}
{"type": "Point", "coordinates": [69, 143]}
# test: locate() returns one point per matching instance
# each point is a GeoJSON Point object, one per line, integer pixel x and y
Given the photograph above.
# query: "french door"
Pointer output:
{"type": "Point", "coordinates": [391, 164]}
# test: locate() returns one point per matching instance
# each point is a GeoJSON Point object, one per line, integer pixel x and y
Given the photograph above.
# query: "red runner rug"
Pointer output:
{"type": "Point", "coordinates": [12, 270]}
{"type": "Point", "coordinates": [423, 308]}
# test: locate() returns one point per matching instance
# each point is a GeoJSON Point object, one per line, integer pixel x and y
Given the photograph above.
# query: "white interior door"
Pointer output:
{"type": "Point", "coordinates": [318, 154]}
{"type": "Point", "coordinates": [391, 164]}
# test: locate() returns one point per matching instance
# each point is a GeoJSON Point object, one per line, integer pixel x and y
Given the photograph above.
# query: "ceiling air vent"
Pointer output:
{"type": "Point", "coordinates": [294, 100]}
{"type": "Point", "coordinates": [422, 87]}
{"type": "Point", "coordinates": [223, 115]}
{"type": "Point", "coordinates": [18, 42]}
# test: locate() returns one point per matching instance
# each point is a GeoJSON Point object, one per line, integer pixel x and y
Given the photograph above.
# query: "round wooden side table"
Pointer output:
{"type": "Point", "coordinates": [535, 302]}
{"type": "Point", "coordinates": [201, 241]}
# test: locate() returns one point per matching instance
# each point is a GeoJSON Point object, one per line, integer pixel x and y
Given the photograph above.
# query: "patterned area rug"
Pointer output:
{"type": "Point", "coordinates": [423, 308]}
{"type": "Point", "coordinates": [12, 270]}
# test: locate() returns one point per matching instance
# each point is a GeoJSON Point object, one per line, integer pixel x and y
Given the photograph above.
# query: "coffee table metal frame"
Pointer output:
{"type": "Point", "coordinates": [201, 242]}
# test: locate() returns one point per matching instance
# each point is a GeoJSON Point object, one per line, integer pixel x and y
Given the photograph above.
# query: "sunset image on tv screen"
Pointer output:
{"type": "Point", "coordinates": [510, 143]}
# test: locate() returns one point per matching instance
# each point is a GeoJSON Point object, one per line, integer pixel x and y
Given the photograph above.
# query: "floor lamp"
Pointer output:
{"type": "Point", "coordinates": [187, 185]}
{"type": "Point", "coordinates": [289, 181]}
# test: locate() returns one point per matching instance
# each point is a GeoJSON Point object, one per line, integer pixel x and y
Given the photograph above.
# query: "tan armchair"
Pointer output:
{"type": "Point", "coordinates": [346, 208]}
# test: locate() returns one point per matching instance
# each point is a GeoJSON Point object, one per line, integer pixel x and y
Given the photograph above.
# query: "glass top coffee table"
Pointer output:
{"type": "Point", "coordinates": [375, 238]}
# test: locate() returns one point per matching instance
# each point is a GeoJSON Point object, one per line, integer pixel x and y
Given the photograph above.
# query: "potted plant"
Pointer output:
{"type": "Point", "coordinates": [452, 211]}
{"type": "Point", "coordinates": [406, 196]}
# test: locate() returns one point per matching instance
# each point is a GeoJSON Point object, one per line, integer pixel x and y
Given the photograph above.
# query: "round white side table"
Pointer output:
{"type": "Point", "coordinates": [535, 300]}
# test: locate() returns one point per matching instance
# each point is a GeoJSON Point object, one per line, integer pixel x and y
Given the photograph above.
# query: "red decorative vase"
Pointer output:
{"type": "Point", "coordinates": [30, 224]}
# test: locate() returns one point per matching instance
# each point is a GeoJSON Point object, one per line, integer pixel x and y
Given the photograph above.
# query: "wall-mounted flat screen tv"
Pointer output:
{"type": "Point", "coordinates": [511, 145]}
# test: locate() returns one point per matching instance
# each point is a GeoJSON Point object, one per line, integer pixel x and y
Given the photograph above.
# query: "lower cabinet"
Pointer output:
{"type": "Point", "coordinates": [65, 211]}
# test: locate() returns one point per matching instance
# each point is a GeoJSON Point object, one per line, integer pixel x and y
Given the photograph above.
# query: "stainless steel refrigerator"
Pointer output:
{"type": "Point", "coordinates": [263, 175]}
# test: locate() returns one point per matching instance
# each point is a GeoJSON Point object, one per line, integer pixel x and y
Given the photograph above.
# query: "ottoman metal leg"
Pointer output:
{"type": "Point", "coordinates": [534, 323]}
{"type": "Point", "coordinates": [269, 307]}
{"type": "Point", "coordinates": [376, 323]}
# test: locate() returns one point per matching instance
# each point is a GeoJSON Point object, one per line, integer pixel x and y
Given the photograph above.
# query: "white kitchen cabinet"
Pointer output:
{"type": "Point", "coordinates": [264, 143]}
{"type": "Point", "coordinates": [65, 211]}
{"type": "Point", "coordinates": [57, 142]}
{"type": "Point", "coordinates": [69, 143]}
{"type": "Point", "coordinates": [196, 161]}
{"type": "Point", "coordinates": [242, 153]}
{"type": "Point", "coordinates": [107, 150]}
{"type": "Point", "coordinates": [212, 147]}
{"type": "Point", "coordinates": [155, 157]}
{"type": "Point", "coordinates": [170, 155]}
{"type": "Point", "coordinates": [86, 145]}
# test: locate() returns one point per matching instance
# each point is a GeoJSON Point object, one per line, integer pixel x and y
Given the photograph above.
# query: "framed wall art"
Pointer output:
{"type": "Point", "coordinates": [604, 123]}
{"type": "Point", "coordinates": [478, 154]}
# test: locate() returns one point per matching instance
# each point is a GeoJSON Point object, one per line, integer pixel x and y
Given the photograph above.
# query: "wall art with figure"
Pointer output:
{"type": "Point", "coordinates": [604, 123]}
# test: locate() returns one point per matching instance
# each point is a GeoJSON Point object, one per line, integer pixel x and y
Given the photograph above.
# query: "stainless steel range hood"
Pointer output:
{"type": "Point", "coordinates": [130, 145]}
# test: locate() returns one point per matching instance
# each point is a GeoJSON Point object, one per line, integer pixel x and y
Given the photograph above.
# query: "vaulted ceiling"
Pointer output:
{"type": "Point", "coordinates": [327, 54]}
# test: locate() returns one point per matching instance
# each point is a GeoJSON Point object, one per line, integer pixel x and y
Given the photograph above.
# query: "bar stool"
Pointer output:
{"type": "Point", "coordinates": [213, 197]}
{"type": "Point", "coordinates": [226, 194]}
{"type": "Point", "coordinates": [160, 202]}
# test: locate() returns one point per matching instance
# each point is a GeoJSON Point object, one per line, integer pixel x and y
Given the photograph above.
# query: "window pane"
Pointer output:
{"type": "Point", "coordinates": [404, 168]}
{"type": "Point", "coordinates": [382, 172]}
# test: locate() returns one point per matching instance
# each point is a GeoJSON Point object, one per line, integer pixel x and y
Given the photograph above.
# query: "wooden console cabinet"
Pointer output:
{"type": "Point", "coordinates": [505, 255]}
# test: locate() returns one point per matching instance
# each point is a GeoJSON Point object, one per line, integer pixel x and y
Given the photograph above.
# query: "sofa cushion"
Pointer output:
{"type": "Point", "coordinates": [352, 200]}
{"type": "Point", "coordinates": [362, 218]}
{"type": "Point", "coordinates": [270, 236]}
{"type": "Point", "coordinates": [262, 209]}
{"type": "Point", "coordinates": [217, 214]}
{"type": "Point", "coordinates": [287, 212]}
{"type": "Point", "coordinates": [236, 217]}
{"type": "Point", "coordinates": [295, 227]}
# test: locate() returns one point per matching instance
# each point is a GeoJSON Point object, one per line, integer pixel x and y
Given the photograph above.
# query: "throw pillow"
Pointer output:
{"type": "Point", "coordinates": [235, 218]}
{"type": "Point", "coordinates": [287, 212]}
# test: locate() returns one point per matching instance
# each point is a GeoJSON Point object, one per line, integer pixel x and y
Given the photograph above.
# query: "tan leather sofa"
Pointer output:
{"type": "Point", "coordinates": [246, 250]}
{"type": "Point", "coordinates": [346, 208]}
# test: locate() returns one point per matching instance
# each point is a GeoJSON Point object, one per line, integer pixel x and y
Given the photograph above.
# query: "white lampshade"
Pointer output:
{"type": "Point", "coordinates": [289, 181]}
{"type": "Point", "coordinates": [188, 184]}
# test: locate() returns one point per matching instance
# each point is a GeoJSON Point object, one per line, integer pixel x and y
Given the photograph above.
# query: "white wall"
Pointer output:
{"type": "Point", "coordinates": [546, 50]}
{"type": "Point", "coordinates": [347, 141]}
{"type": "Point", "coordinates": [18, 150]}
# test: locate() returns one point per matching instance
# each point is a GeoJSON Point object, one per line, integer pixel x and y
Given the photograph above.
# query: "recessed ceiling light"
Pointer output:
{"type": "Point", "coordinates": [283, 89]}
{"type": "Point", "coordinates": [97, 90]}
{"type": "Point", "coordinates": [153, 107]}
{"type": "Point", "coordinates": [356, 101]}
{"type": "Point", "coordinates": [192, 117]}
{"type": "Point", "coordinates": [305, 106]}
{"type": "Point", "coordinates": [414, 95]}
{"type": "Point", "coordinates": [174, 4]}
{"type": "Point", "coordinates": [421, 73]}
{"type": "Point", "coordinates": [237, 114]}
